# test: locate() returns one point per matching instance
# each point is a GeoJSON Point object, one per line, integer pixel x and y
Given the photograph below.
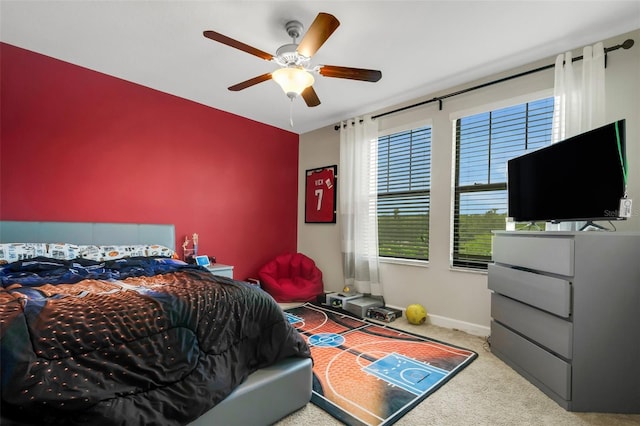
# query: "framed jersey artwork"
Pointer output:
{"type": "Point", "coordinates": [320, 195]}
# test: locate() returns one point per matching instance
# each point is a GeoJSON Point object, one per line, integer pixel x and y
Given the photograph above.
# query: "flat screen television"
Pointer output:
{"type": "Point", "coordinates": [579, 179]}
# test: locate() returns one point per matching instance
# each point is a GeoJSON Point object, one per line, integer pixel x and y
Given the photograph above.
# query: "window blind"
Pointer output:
{"type": "Point", "coordinates": [404, 184]}
{"type": "Point", "coordinates": [484, 144]}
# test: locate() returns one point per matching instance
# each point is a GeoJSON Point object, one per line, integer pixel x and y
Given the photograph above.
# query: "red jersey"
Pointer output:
{"type": "Point", "coordinates": [320, 196]}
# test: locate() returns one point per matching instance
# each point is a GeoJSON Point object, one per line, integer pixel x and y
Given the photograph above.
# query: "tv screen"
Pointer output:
{"type": "Point", "coordinates": [580, 178]}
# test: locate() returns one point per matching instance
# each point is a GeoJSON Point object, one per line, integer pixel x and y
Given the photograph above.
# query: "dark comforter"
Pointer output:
{"type": "Point", "coordinates": [135, 341]}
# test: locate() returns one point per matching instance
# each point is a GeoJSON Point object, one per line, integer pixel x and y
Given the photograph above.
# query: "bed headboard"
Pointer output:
{"type": "Point", "coordinates": [87, 233]}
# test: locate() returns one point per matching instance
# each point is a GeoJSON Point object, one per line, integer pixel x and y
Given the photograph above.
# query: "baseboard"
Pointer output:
{"type": "Point", "coordinates": [467, 327]}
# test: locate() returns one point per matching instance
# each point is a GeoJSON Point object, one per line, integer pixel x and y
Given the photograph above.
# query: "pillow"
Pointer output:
{"type": "Point", "coordinates": [12, 252]}
{"type": "Point", "coordinates": [113, 252]}
{"type": "Point", "coordinates": [119, 252]}
{"type": "Point", "coordinates": [63, 251]}
{"type": "Point", "coordinates": [160, 251]}
{"type": "Point", "coordinates": [91, 253]}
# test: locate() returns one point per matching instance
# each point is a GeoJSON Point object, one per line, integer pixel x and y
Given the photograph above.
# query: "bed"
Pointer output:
{"type": "Point", "coordinates": [101, 324]}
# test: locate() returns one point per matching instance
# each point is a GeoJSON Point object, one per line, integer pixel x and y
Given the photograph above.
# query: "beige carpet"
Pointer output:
{"type": "Point", "coordinates": [487, 392]}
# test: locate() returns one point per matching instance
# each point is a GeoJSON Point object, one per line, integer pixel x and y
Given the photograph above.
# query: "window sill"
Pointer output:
{"type": "Point", "coordinates": [404, 262]}
{"type": "Point", "coordinates": [468, 270]}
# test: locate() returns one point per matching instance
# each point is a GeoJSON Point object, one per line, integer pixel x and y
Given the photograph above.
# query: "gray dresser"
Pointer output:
{"type": "Point", "coordinates": [565, 314]}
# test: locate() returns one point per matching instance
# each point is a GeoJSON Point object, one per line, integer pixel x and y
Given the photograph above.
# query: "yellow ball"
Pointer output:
{"type": "Point", "coordinates": [416, 314]}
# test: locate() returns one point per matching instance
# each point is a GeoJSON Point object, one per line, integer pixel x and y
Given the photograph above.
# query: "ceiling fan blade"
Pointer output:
{"type": "Point", "coordinates": [238, 45]}
{"type": "Point", "coordinates": [310, 97]}
{"type": "Point", "coordinates": [350, 73]}
{"type": "Point", "coordinates": [250, 82]}
{"type": "Point", "coordinates": [320, 30]}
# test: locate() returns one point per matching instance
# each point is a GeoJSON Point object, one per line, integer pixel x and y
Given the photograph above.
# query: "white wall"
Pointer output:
{"type": "Point", "coordinates": [456, 298]}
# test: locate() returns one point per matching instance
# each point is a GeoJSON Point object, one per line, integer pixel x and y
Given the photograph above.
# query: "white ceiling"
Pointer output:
{"type": "Point", "coordinates": [420, 46]}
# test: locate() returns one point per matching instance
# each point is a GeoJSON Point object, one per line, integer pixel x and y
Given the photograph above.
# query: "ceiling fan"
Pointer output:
{"type": "Point", "coordinates": [295, 74]}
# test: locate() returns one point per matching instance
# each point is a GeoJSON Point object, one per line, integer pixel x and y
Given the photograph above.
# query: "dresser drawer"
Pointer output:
{"type": "Point", "coordinates": [545, 329]}
{"type": "Point", "coordinates": [546, 368]}
{"type": "Point", "coordinates": [544, 292]}
{"type": "Point", "coordinates": [549, 254]}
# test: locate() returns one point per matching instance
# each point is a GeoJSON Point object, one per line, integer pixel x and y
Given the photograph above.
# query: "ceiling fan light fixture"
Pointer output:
{"type": "Point", "coordinates": [296, 75]}
{"type": "Point", "coordinates": [292, 80]}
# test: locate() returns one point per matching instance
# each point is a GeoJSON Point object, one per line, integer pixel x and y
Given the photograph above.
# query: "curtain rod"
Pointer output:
{"type": "Point", "coordinates": [627, 44]}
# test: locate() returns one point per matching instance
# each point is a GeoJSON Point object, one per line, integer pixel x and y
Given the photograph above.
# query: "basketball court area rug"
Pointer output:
{"type": "Point", "coordinates": [366, 373]}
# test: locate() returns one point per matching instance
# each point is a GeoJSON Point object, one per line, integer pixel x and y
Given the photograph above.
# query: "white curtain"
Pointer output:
{"type": "Point", "coordinates": [579, 96]}
{"type": "Point", "coordinates": [358, 204]}
{"type": "Point", "coordinates": [579, 93]}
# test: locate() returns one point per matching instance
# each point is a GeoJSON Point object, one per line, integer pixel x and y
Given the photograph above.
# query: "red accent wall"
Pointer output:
{"type": "Point", "coordinates": [78, 145]}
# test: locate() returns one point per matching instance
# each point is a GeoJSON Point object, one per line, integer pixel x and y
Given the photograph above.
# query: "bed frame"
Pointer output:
{"type": "Point", "coordinates": [265, 397]}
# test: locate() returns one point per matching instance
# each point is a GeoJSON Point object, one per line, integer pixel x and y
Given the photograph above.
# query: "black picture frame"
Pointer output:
{"type": "Point", "coordinates": [321, 194]}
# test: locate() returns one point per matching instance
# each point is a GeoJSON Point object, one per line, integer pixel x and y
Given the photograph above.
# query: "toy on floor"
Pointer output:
{"type": "Point", "coordinates": [348, 290]}
{"type": "Point", "coordinates": [416, 314]}
{"type": "Point", "coordinates": [381, 314]}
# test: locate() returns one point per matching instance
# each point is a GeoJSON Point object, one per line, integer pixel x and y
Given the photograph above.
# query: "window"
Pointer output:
{"type": "Point", "coordinates": [404, 183]}
{"type": "Point", "coordinates": [484, 143]}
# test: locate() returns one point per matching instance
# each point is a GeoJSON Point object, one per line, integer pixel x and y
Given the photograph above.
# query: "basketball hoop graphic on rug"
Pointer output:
{"type": "Point", "coordinates": [371, 374]}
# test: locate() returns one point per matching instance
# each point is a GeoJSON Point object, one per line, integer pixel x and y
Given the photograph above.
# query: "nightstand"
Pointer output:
{"type": "Point", "coordinates": [222, 270]}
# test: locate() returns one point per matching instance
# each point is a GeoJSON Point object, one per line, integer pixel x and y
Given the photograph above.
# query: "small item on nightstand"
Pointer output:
{"type": "Point", "coordinates": [195, 244]}
{"type": "Point", "coordinates": [202, 260]}
{"type": "Point", "coordinates": [189, 255]}
{"type": "Point", "coordinates": [254, 281]}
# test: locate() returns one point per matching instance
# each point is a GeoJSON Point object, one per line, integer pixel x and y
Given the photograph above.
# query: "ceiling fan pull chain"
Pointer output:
{"type": "Point", "coordinates": [291, 113]}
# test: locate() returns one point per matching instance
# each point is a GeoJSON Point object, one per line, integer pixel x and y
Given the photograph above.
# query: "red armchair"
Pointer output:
{"type": "Point", "coordinates": [291, 277]}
